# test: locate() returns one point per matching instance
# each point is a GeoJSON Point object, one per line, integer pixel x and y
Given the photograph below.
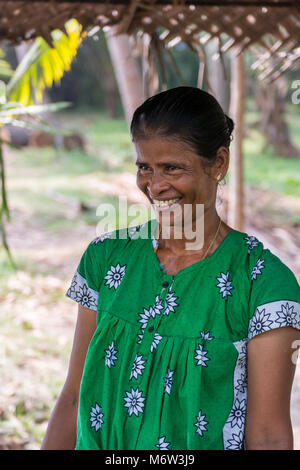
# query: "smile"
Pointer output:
{"type": "Point", "coordinates": [166, 204]}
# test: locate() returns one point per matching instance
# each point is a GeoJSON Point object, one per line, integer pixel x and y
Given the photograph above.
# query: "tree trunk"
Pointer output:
{"type": "Point", "coordinates": [99, 61]}
{"type": "Point", "coordinates": [219, 79]}
{"type": "Point", "coordinates": [235, 216]}
{"type": "Point", "coordinates": [127, 72]}
{"type": "Point", "coordinates": [270, 100]}
{"type": "Point", "coordinates": [150, 74]}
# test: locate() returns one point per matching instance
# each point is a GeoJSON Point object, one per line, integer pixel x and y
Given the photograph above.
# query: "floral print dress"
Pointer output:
{"type": "Point", "coordinates": [167, 365]}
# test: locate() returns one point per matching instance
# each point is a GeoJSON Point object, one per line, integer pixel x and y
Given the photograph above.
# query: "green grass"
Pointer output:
{"type": "Point", "coordinates": [109, 149]}
{"type": "Point", "coordinates": [269, 171]}
{"type": "Point", "coordinates": [263, 168]}
{"type": "Point", "coordinates": [108, 139]}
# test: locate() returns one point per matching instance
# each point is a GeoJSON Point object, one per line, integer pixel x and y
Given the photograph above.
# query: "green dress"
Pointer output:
{"type": "Point", "coordinates": [167, 365]}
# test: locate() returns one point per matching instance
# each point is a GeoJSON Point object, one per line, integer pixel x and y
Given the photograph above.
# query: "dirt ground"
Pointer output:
{"type": "Point", "coordinates": [36, 308]}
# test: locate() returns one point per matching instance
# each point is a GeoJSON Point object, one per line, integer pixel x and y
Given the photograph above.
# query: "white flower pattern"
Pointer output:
{"type": "Point", "coordinates": [140, 337]}
{"type": "Point", "coordinates": [85, 298]}
{"type": "Point", "coordinates": [233, 431]}
{"type": "Point", "coordinates": [162, 444]}
{"type": "Point", "coordinates": [251, 242]}
{"type": "Point", "coordinates": [137, 367]}
{"type": "Point", "coordinates": [82, 293]}
{"type": "Point", "coordinates": [110, 355]}
{"type": "Point", "coordinates": [225, 285]}
{"type": "Point", "coordinates": [260, 322]}
{"type": "Point", "coordinates": [206, 335]}
{"type": "Point", "coordinates": [72, 289]}
{"type": "Point", "coordinates": [201, 356]}
{"type": "Point", "coordinates": [236, 442]}
{"type": "Point", "coordinates": [287, 316]}
{"type": "Point", "coordinates": [201, 423]}
{"type": "Point", "coordinates": [274, 315]}
{"type": "Point", "coordinates": [96, 417]}
{"type": "Point", "coordinates": [134, 401]}
{"type": "Point", "coordinates": [238, 413]}
{"type": "Point", "coordinates": [157, 307]}
{"type": "Point", "coordinates": [102, 237]}
{"type": "Point", "coordinates": [155, 342]}
{"type": "Point", "coordinates": [144, 317]}
{"type": "Point", "coordinates": [170, 303]}
{"type": "Point", "coordinates": [257, 268]}
{"type": "Point", "coordinates": [241, 383]}
{"type": "Point", "coordinates": [114, 276]}
{"type": "Point", "coordinates": [168, 381]}
{"type": "Point", "coordinates": [242, 358]}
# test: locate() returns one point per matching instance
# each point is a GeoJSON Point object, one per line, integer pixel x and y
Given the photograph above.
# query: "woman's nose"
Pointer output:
{"type": "Point", "coordinates": [157, 184]}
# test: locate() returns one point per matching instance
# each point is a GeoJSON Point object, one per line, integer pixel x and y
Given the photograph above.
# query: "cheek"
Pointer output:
{"type": "Point", "coordinates": [197, 189]}
{"type": "Point", "coordinates": [189, 186]}
{"type": "Point", "coordinates": [141, 182]}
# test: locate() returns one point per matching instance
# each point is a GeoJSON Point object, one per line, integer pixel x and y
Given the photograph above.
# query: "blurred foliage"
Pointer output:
{"type": "Point", "coordinates": [95, 87]}
{"type": "Point", "coordinates": [5, 68]}
{"type": "Point", "coordinates": [44, 64]}
{"type": "Point", "coordinates": [98, 88]}
{"type": "Point", "coordinates": [41, 65]}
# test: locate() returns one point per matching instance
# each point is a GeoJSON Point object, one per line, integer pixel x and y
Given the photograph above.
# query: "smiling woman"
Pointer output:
{"type": "Point", "coordinates": [182, 140]}
{"type": "Point", "coordinates": [179, 348]}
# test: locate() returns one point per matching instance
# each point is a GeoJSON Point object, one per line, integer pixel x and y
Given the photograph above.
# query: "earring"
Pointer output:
{"type": "Point", "coordinates": [219, 177]}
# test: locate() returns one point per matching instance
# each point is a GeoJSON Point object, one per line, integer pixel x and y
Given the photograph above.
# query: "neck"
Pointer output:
{"type": "Point", "coordinates": [176, 240]}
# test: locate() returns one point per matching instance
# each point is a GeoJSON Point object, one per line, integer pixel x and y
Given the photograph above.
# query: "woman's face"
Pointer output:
{"type": "Point", "coordinates": [171, 175]}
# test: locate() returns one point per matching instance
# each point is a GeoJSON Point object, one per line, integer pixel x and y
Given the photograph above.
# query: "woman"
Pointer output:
{"type": "Point", "coordinates": [180, 348]}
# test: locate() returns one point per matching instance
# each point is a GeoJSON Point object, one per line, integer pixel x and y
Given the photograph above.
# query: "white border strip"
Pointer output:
{"type": "Point", "coordinates": [274, 315]}
{"type": "Point", "coordinates": [82, 293]}
{"type": "Point", "coordinates": [234, 428]}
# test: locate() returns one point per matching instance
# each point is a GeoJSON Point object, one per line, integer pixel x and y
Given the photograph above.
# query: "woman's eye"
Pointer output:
{"type": "Point", "coordinates": [143, 167]}
{"type": "Point", "coordinates": [172, 168]}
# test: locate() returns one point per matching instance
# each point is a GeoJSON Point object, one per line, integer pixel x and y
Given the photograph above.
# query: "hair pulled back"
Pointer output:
{"type": "Point", "coordinates": [187, 114]}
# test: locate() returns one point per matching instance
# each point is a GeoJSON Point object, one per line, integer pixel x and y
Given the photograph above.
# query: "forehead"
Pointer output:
{"type": "Point", "coordinates": [158, 149]}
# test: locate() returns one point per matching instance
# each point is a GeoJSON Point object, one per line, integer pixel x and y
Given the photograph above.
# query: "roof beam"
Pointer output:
{"type": "Point", "coordinates": [235, 3]}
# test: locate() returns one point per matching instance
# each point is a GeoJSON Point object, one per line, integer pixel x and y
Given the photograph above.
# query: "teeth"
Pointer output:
{"type": "Point", "coordinates": [170, 202]}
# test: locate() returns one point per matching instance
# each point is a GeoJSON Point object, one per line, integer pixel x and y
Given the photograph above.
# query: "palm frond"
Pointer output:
{"type": "Point", "coordinates": [43, 65]}
{"type": "Point", "coordinates": [10, 108]}
{"type": "Point", "coordinates": [5, 68]}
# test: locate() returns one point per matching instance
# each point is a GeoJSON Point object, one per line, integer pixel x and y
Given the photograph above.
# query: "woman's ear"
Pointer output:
{"type": "Point", "coordinates": [220, 168]}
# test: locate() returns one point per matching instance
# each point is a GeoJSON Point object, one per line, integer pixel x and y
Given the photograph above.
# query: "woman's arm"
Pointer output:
{"type": "Point", "coordinates": [270, 378]}
{"type": "Point", "coordinates": [61, 431]}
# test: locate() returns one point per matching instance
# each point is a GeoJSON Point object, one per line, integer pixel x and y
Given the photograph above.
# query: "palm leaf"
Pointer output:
{"type": "Point", "coordinates": [34, 109]}
{"type": "Point", "coordinates": [43, 65]}
{"type": "Point", "coordinates": [5, 68]}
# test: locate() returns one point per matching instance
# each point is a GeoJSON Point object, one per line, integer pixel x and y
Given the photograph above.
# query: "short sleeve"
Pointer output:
{"type": "Point", "coordinates": [275, 295]}
{"type": "Point", "coordinates": [85, 285]}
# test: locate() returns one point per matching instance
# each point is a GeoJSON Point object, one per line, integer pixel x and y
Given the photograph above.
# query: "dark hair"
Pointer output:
{"type": "Point", "coordinates": [187, 114]}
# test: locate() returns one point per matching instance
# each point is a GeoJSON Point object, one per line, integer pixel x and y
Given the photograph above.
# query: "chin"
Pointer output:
{"type": "Point", "coordinates": [170, 221]}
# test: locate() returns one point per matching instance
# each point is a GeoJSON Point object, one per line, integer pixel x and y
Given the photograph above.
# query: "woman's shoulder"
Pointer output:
{"type": "Point", "coordinates": [119, 238]}
{"type": "Point", "coordinates": [250, 246]}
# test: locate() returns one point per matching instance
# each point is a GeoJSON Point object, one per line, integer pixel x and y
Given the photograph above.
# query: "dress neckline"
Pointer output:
{"type": "Point", "coordinates": [197, 264]}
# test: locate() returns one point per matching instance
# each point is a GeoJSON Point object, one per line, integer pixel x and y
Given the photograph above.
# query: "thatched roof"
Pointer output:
{"type": "Point", "coordinates": [269, 28]}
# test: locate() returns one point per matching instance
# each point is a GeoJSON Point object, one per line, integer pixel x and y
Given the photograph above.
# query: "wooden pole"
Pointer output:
{"type": "Point", "coordinates": [127, 73]}
{"type": "Point", "coordinates": [235, 216]}
{"type": "Point", "coordinates": [218, 79]}
{"type": "Point", "coordinates": [150, 75]}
